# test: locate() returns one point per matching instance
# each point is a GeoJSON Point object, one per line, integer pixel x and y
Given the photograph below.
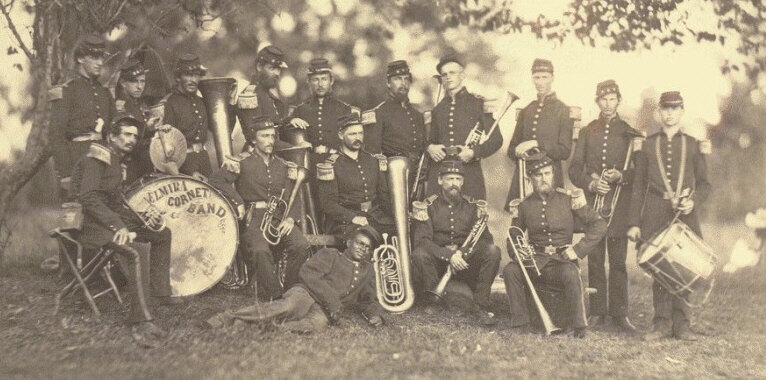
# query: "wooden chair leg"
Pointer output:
{"type": "Point", "coordinates": [112, 286]}
{"type": "Point", "coordinates": [78, 280]}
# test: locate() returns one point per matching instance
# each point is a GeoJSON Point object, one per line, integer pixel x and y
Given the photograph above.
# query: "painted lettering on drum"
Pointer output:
{"type": "Point", "coordinates": [190, 195]}
{"type": "Point", "coordinates": [207, 209]}
{"type": "Point", "coordinates": [165, 190]}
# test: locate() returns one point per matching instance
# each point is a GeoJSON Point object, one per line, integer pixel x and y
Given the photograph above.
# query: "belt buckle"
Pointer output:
{"type": "Point", "coordinates": [550, 250]}
{"type": "Point", "coordinates": [197, 147]}
{"type": "Point", "coordinates": [365, 206]}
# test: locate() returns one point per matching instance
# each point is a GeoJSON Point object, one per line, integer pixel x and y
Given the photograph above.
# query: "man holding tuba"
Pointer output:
{"type": "Point", "coordinates": [544, 123]}
{"type": "Point", "coordinates": [330, 282]}
{"type": "Point", "coordinates": [440, 226]}
{"type": "Point", "coordinates": [185, 110]}
{"type": "Point", "coordinates": [251, 184]}
{"type": "Point", "coordinates": [601, 166]}
{"type": "Point", "coordinates": [108, 222]}
{"type": "Point", "coordinates": [352, 185]}
{"type": "Point", "coordinates": [548, 217]}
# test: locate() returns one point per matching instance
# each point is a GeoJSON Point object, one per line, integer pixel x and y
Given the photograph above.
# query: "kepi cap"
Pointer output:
{"type": "Point", "coordinates": [271, 55]}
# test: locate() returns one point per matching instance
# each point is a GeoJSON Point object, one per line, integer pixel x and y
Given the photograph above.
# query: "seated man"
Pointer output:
{"type": "Point", "coordinates": [438, 235]}
{"type": "Point", "coordinates": [352, 184]}
{"type": "Point", "coordinates": [257, 177]}
{"type": "Point", "coordinates": [548, 217]}
{"type": "Point", "coordinates": [329, 282]}
{"type": "Point", "coordinates": [108, 222]}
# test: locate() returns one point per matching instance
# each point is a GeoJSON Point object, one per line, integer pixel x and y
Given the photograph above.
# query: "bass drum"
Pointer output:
{"type": "Point", "coordinates": [204, 228]}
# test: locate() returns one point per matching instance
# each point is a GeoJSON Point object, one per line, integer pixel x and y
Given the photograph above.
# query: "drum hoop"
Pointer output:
{"type": "Point", "coordinates": [154, 177]}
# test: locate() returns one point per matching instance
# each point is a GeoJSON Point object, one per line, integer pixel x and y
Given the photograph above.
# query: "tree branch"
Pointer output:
{"type": "Point", "coordinates": [6, 10]}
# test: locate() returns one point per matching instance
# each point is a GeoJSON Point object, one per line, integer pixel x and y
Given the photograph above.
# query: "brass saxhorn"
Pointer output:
{"type": "Point", "coordinates": [605, 204]}
{"type": "Point", "coordinates": [277, 209]}
{"type": "Point", "coordinates": [524, 254]}
{"type": "Point", "coordinates": [391, 261]}
{"type": "Point", "coordinates": [467, 248]}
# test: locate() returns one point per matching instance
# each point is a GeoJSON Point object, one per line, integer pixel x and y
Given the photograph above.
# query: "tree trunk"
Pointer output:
{"type": "Point", "coordinates": [44, 66]}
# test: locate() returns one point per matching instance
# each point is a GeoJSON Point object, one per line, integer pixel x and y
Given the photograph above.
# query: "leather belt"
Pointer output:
{"type": "Point", "coordinates": [91, 136]}
{"type": "Point", "coordinates": [195, 148]}
{"type": "Point", "coordinates": [363, 207]}
{"type": "Point", "coordinates": [258, 205]}
{"type": "Point", "coordinates": [550, 250]}
{"type": "Point", "coordinates": [665, 195]}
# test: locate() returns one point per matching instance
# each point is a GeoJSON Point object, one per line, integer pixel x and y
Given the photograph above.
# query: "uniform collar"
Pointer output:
{"type": "Point", "coordinates": [443, 199]}
{"type": "Point", "coordinates": [396, 101]}
{"type": "Point", "coordinates": [87, 78]}
{"type": "Point", "coordinates": [315, 99]}
{"type": "Point", "coordinates": [178, 91]}
{"type": "Point", "coordinates": [462, 91]}
{"type": "Point", "coordinates": [546, 98]}
{"type": "Point", "coordinates": [676, 131]}
{"type": "Point", "coordinates": [343, 154]}
{"type": "Point", "coordinates": [614, 119]}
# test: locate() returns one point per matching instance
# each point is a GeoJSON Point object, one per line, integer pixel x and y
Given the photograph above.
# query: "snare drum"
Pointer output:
{"type": "Point", "coordinates": [678, 259]}
{"type": "Point", "coordinates": [205, 233]}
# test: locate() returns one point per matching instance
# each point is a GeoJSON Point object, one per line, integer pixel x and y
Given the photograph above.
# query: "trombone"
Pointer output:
{"type": "Point", "coordinates": [525, 257]}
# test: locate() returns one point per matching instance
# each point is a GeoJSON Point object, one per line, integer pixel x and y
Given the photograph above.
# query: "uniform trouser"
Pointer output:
{"type": "Point", "coordinates": [77, 149]}
{"type": "Point", "coordinates": [482, 269]}
{"type": "Point", "coordinates": [266, 257]}
{"type": "Point", "coordinates": [669, 308]}
{"type": "Point", "coordinates": [296, 307]}
{"type": "Point", "coordinates": [196, 162]}
{"type": "Point", "coordinates": [560, 274]}
{"type": "Point", "coordinates": [147, 268]}
{"type": "Point", "coordinates": [618, 278]}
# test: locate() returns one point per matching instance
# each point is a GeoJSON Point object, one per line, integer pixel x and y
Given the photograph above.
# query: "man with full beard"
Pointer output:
{"type": "Point", "coordinates": [262, 94]}
{"type": "Point", "coordinates": [352, 184]}
{"type": "Point", "coordinates": [548, 217]}
{"type": "Point", "coordinates": [395, 127]}
{"type": "Point", "coordinates": [439, 230]}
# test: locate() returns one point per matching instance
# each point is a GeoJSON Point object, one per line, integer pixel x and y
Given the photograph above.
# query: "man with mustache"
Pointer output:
{"type": "Point", "coordinates": [439, 230]}
{"type": "Point", "coordinates": [352, 184]}
{"type": "Point", "coordinates": [319, 114]}
{"type": "Point", "coordinates": [109, 223]}
{"type": "Point", "coordinates": [253, 178]}
{"type": "Point", "coordinates": [544, 123]}
{"type": "Point", "coordinates": [330, 282]}
{"type": "Point", "coordinates": [603, 147]}
{"type": "Point", "coordinates": [548, 217]}
{"type": "Point", "coordinates": [80, 107]}
{"type": "Point", "coordinates": [452, 121]}
{"type": "Point", "coordinates": [670, 180]}
{"type": "Point", "coordinates": [185, 110]}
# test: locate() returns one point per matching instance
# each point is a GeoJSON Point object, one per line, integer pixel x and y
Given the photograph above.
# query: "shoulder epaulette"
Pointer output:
{"type": "Point", "coordinates": [332, 158]}
{"type": "Point", "coordinates": [57, 92]}
{"type": "Point", "coordinates": [368, 117]}
{"type": "Point", "coordinates": [564, 191]}
{"type": "Point", "coordinates": [575, 113]}
{"type": "Point", "coordinates": [431, 199]}
{"type": "Point", "coordinates": [100, 153]}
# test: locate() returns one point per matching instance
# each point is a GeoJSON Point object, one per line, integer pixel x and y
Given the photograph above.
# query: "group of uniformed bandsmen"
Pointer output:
{"type": "Point", "coordinates": [100, 143]}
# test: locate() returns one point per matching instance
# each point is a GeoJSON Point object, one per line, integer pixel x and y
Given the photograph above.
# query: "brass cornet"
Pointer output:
{"type": "Point", "coordinates": [278, 209]}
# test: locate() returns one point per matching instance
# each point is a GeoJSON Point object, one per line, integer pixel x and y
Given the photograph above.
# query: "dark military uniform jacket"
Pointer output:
{"type": "Point", "coordinates": [97, 185]}
{"type": "Point", "coordinates": [336, 282]}
{"type": "Point", "coordinates": [550, 223]}
{"type": "Point", "coordinates": [651, 207]}
{"type": "Point", "coordinates": [188, 114]}
{"type": "Point", "coordinates": [451, 122]}
{"type": "Point", "coordinates": [395, 129]}
{"type": "Point", "coordinates": [356, 188]}
{"type": "Point", "coordinates": [322, 116]}
{"type": "Point", "coordinates": [548, 122]}
{"type": "Point", "coordinates": [604, 145]}
{"type": "Point", "coordinates": [76, 106]}
{"type": "Point", "coordinates": [269, 103]}
{"type": "Point", "coordinates": [446, 225]}
{"type": "Point", "coordinates": [256, 181]}
{"type": "Point", "coordinates": [134, 107]}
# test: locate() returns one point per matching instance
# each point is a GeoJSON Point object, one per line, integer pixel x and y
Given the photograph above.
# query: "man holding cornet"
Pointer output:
{"type": "Point", "coordinates": [670, 181]}
{"type": "Point", "coordinates": [460, 126]}
{"type": "Point", "coordinates": [601, 165]}
{"type": "Point", "coordinates": [548, 218]}
{"type": "Point", "coordinates": [544, 123]}
{"type": "Point", "coordinates": [448, 236]}
{"type": "Point", "coordinates": [261, 180]}
{"type": "Point", "coordinates": [108, 222]}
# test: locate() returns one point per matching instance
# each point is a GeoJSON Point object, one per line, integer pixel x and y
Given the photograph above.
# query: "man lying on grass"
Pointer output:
{"type": "Point", "coordinates": [330, 281]}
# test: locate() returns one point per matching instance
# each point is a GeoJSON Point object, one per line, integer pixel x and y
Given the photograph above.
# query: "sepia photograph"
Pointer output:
{"type": "Point", "coordinates": [382, 189]}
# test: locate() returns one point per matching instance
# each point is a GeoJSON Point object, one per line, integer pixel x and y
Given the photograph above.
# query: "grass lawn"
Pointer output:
{"type": "Point", "coordinates": [36, 344]}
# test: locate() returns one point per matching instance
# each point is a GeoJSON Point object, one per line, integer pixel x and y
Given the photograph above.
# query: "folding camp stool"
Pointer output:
{"type": "Point", "coordinates": [71, 252]}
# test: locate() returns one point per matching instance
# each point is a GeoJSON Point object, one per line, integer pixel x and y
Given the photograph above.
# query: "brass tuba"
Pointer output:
{"type": "Point", "coordinates": [391, 261]}
{"type": "Point", "coordinates": [216, 93]}
{"type": "Point", "coordinates": [467, 248]}
{"type": "Point", "coordinates": [277, 209]}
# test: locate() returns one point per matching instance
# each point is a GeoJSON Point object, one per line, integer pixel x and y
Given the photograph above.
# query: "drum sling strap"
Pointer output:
{"type": "Point", "coordinates": [669, 194]}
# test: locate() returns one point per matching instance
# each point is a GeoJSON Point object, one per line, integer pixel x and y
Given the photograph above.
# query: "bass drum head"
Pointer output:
{"type": "Point", "coordinates": [204, 228]}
